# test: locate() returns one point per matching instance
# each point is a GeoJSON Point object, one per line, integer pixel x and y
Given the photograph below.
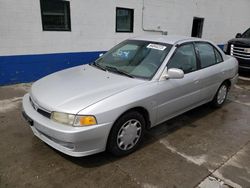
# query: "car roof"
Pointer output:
{"type": "Point", "coordinates": [169, 39]}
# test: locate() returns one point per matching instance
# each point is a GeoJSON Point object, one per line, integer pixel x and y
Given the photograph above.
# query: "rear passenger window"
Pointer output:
{"type": "Point", "coordinates": [207, 55]}
{"type": "Point", "coordinates": [184, 59]}
{"type": "Point", "coordinates": [218, 56]}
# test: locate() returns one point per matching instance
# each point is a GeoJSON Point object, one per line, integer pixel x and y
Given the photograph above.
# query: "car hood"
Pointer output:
{"type": "Point", "coordinates": [240, 41]}
{"type": "Point", "coordinates": [74, 89]}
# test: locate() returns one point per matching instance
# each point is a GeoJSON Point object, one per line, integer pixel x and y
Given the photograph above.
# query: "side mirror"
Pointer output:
{"type": "Point", "coordinates": [101, 54]}
{"type": "Point", "coordinates": [239, 35]}
{"type": "Point", "coordinates": [172, 73]}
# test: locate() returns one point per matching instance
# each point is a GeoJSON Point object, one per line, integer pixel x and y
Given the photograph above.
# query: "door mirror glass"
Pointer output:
{"type": "Point", "coordinates": [239, 35]}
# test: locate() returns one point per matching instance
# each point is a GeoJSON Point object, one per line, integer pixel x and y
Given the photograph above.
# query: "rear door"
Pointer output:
{"type": "Point", "coordinates": [211, 69]}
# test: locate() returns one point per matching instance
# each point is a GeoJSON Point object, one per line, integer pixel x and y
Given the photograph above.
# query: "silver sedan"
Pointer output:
{"type": "Point", "coordinates": [136, 85]}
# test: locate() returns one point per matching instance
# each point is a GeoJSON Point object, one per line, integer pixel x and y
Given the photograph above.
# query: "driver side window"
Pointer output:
{"type": "Point", "coordinates": [184, 59]}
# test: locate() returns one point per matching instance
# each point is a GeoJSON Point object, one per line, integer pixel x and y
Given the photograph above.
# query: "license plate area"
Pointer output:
{"type": "Point", "coordinates": [27, 118]}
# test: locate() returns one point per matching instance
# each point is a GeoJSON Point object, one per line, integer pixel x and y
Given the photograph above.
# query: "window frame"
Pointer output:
{"type": "Point", "coordinates": [131, 21]}
{"type": "Point", "coordinates": [67, 4]}
{"type": "Point", "coordinates": [196, 56]}
{"type": "Point", "coordinates": [214, 49]}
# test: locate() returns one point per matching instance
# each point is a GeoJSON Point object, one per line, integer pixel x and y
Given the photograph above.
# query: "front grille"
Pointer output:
{"type": "Point", "coordinates": [240, 52]}
{"type": "Point", "coordinates": [44, 113]}
{"type": "Point", "coordinates": [39, 109]}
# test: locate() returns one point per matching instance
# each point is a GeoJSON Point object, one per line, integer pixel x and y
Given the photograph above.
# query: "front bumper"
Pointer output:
{"type": "Point", "coordinates": [243, 64]}
{"type": "Point", "coordinates": [73, 141]}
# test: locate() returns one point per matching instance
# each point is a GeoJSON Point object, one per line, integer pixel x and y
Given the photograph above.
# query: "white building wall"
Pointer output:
{"type": "Point", "coordinates": [223, 18]}
{"type": "Point", "coordinates": [93, 23]}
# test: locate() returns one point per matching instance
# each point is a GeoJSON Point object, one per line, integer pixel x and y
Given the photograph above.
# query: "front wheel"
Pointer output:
{"type": "Point", "coordinates": [126, 134]}
{"type": "Point", "coordinates": [221, 95]}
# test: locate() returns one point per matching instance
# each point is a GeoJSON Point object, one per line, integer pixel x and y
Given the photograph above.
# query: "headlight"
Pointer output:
{"type": "Point", "coordinates": [63, 118]}
{"type": "Point", "coordinates": [74, 120]}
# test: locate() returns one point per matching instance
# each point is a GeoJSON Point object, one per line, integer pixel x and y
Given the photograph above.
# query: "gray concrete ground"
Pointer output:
{"type": "Point", "coordinates": [202, 148]}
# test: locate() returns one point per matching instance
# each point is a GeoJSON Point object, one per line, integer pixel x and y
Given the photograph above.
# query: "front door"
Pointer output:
{"type": "Point", "coordinates": [179, 95]}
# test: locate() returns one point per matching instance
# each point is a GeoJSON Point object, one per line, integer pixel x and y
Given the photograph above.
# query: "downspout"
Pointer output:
{"type": "Point", "coordinates": [150, 30]}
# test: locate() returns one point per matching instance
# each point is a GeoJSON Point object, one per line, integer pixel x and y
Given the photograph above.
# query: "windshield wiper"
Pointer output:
{"type": "Point", "coordinates": [105, 68]}
{"type": "Point", "coordinates": [98, 66]}
{"type": "Point", "coordinates": [114, 69]}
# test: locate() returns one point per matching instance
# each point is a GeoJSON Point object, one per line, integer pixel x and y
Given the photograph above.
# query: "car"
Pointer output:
{"type": "Point", "coordinates": [239, 47]}
{"type": "Point", "coordinates": [138, 84]}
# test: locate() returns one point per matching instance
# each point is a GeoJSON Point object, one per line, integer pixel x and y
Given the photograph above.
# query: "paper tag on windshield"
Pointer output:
{"type": "Point", "coordinates": [157, 46]}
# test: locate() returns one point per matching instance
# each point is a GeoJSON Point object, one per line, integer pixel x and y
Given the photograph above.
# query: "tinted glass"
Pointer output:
{"type": "Point", "coordinates": [218, 56]}
{"type": "Point", "coordinates": [55, 15]}
{"type": "Point", "coordinates": [246, 34]}
{"type": "Point", "coordinates": [197, 27]}
{"type": "Point", "coordinates": [206, 53]}
{"type": "Point", "coordinates": [124, 20]}
{"type": "Point", "coordinates": [184, 59]}
{"type": "Point", "coordinates": [136, 58]}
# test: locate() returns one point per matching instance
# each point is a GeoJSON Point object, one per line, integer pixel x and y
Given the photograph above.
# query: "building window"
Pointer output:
{"type": "Point", "coordinates": [197, 27]}
{"type": "Point", "coordinates": [55, 15]}
{"type": "Point", "coordinates": [124, 20]}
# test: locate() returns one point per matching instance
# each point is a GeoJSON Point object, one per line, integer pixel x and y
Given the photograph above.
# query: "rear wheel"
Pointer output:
{"type": "Point", "coordinates": [126, 134]}
{"type": "Point", "coordinates": [221, 95]}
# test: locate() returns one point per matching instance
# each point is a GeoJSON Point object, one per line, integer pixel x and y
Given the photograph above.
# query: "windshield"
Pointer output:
{"type": "Point", "coordinates": [134, 58]}
{"type": "Point", "coordinates": [246, 34]}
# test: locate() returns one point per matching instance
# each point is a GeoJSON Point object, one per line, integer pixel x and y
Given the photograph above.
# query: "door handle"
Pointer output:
{"type": "Point", "coordinates": [197, 81]}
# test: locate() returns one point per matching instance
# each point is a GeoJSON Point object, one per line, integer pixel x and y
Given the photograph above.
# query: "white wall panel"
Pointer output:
{"type": "Point", "coordinates": [93, 23]}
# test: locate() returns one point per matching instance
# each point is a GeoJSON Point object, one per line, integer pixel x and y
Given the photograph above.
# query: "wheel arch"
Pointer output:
{"type": "Point", "coordinates": [143, 111]}
{"type": "Point", "coordinates": [227, 82]}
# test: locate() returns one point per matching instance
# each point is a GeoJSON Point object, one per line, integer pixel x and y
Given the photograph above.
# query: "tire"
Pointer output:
{"type": "Point", "coordinates": [221, 95]}
{"type": "Point", "coordinates": [126, 134]}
